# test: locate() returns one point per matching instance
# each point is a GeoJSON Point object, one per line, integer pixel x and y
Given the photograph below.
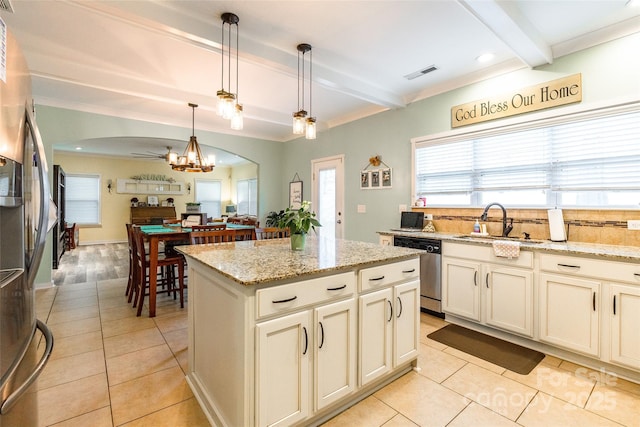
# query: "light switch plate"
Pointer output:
{"type": "Point", "coordinates": [362, 208]}
{"type": "Point", "coordinates": [633, 224]}
{"type": "Point", "coordinates": [428, 217]}
{"type": "Point", "coordinates": [402, 208]}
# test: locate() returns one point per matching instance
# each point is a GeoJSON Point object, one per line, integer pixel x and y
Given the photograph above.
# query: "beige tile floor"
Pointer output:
{"type": "Point", "coordinates": [110, 368]}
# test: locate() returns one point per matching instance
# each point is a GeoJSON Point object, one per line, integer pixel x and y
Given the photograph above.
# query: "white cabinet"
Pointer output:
{"type": "Point", "coordinates": [460, 290]}
{"type": "Point", "coordinates": [375, 335]}
{"type": "Point", "coordinates": [283, 355]}
{"type": "Point", "coordinates": [625, 320]}
{"type": "Point", "coordinates": [389, 329]}
{"type": "Point", "coordinates": [509, 299]}
{"type": "Point", "coordinates": [334, 351]}
{"type": "Point", "coordinates": [570, 313]}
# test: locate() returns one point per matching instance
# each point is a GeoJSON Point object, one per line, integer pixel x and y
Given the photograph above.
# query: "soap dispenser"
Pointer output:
{"type": "Point", "coordinates": [476, 227]}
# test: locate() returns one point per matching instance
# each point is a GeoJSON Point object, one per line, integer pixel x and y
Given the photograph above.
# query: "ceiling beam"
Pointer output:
{"type": "Point", "coordinates": [505, 21]}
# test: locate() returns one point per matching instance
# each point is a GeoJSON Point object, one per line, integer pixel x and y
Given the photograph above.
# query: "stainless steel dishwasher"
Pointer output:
{"type": "Point", "coordinates": [430, 269]}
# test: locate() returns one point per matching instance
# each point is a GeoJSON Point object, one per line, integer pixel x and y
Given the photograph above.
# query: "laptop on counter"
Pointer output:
{"type": "Point", "coordinates": [410, 222]}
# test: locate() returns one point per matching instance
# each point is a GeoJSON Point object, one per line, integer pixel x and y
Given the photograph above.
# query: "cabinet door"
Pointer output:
{"type": "Point", "coordinates": [569, 313]}
{"type": "Point", "coordinates": [406, 326]}
{"type": "Point", "coordinates": [376, 320]}
{"type": "Point", "coordinates": [335, 352]}
{"type": "Point", "coordinates": [509, 301]}
{"type": "Point", "coordinates": [283, 358]}
{"type": "Point", "coordinates": [460, 288]}
{"type": "Point", "coordinates": [625, 319]}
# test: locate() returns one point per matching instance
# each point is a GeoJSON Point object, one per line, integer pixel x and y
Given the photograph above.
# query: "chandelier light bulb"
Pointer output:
{"type": "Point", "coordinates": [237, 120]}
{"type": "Point", "coordinates": [311, 128]}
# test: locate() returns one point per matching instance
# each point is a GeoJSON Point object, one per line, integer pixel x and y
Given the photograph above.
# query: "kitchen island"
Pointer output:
{"type": "Point", "coordinates": [282, 337]}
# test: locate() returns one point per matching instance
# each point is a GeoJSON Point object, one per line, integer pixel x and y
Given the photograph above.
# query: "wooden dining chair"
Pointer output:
{"type": "Point", "coordinates": [271, 233]}
{"type": "Point", "coordinates": [70, 236]}
{"type": "Point", "coordinates": [208, 227]}
{"type": "Point", "coordinates": [132, 262]}
{"type": "Point", "coordinates": [245, 233]}
{"type": "Point", "coordinates": [166, 264]}
{"type": "Point", "coordinates": [171, 221]}
{"type": "Point", "coordinates": [212, 236]}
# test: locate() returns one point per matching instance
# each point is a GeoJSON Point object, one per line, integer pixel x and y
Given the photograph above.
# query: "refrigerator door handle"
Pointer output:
{"type": "Point", "coordinates": [45, 195]}
{"type": "Point", "coordinates": [13, 397]}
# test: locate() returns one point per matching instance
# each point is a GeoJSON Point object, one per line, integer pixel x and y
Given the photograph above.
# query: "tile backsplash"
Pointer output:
{"type": "Point", "coordinates": [589, 226]}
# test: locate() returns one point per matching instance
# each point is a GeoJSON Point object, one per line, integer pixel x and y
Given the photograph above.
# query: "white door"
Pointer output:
{"type": "Point", "coordinates": [327, 195]}
{"type": "Point", "coordinates": [376, 328]}
{"type": "Point", "coordinates": [509, 302]}
{"type": "Point", "coordinates": [625, 310]}
{"type": "Point", "coordinates": [335, 351]}
{"type": "Point", "coordinates": [406, 327]}
{"type": "Point", "coordinates": [283, 351]}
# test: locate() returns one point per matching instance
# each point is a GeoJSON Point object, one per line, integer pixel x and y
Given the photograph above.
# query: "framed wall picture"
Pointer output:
{"type": "Point", "coordinates": [295, 194]}
{"type": "Point", "coordinates": [375, 179]}
{"type": "Point", "coordinates": [152, 200]}
{"type": "Point", "coordinates": [385, 179]}
{"type": "Point", "coordinates": [364, 179]}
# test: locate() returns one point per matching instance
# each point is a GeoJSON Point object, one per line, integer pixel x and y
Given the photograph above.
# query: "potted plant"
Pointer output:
{"type": "Point", "coordinates": [193, 207]}
{"type": "Point", "coordinates": [273, 219]}
{"type": "Point", "coordinates": [299, 222]}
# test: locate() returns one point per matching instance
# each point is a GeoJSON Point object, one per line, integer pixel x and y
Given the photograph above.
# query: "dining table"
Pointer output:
{"type": "Point", "coordinates": [154, 234]}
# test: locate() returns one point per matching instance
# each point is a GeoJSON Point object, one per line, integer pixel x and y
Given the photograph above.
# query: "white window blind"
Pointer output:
{"type": "Point", "coordinates": [209, 194]}
{"type": "Point", "coordinates": [591, 161]}
{"type": "Point", "coordinates": [82, 199]}
{"type": "Point", "coordinates": [247, 192]}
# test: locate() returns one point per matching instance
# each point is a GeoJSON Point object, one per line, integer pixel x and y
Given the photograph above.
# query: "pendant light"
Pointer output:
{"type": "Point", "coordinates": [301, 123]}
{"type": "Point", "coordinates": [192, 159]}
{"type": "Point", "coordinates": [228, 106]}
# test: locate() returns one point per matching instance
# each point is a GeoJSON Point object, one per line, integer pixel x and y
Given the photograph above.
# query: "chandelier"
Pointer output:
{"type": "Point", "coordinates": [301, 123]}
{"type": "Point", "coordinates": [192, 159]}
{"type": "Point", "coordinates": [228, 106]}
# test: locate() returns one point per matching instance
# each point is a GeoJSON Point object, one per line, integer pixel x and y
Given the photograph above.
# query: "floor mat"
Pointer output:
{"type": "Point", "coordinates": [502, 353]}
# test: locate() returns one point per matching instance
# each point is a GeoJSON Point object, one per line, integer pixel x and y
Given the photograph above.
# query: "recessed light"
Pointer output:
{"type": "Point", "coordinates": [485, 57]}
{"type": "Point", "coordinates": [78, 148]}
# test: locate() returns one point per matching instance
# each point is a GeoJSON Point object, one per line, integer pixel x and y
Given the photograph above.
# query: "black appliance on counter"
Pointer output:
{"type": "Point", "coordinates": [430, 269]}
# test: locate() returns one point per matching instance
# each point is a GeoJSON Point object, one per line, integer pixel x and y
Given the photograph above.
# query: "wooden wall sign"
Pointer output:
{"type": "Point", "coordinates": [567, 90]}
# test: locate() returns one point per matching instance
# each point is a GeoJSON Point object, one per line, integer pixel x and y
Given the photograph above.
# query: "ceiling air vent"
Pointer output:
{"type": "Point", "coordinates": [6, 6]}
{"type": "Point", "coordinates": [418, 73]}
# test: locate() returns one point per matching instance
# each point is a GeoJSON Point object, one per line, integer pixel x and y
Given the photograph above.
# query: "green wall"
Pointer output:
{"type": "Point", "coordinates": [609, 73]}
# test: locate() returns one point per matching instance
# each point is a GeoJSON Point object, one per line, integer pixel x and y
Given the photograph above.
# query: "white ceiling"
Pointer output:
{"type": "Point", "coordinates": [146, 60]}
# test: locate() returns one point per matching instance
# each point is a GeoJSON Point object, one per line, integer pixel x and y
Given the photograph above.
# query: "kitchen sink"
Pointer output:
{"type": "Point", "coordinates": [513, 239]}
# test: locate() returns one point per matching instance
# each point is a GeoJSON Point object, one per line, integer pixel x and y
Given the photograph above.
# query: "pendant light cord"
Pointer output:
{"type": "Point", "coordinates": [222, 75]}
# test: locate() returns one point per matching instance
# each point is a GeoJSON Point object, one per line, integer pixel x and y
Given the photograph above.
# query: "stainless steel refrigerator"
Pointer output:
{"type": "Point", "coordinates": [25, 342]}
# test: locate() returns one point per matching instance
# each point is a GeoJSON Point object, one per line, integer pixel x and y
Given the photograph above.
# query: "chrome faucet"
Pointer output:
{"type": "Point", "coordinates": [506, 229]}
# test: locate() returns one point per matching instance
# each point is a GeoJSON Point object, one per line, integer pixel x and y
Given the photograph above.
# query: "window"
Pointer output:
{"type": "Point", "coordinates": [247, 191]}
{"type": "Point", "coordinates": [82, 199]}
{"type": "Point", "coordinates": [208, 193]}
{"type": "Point", "coordinates": [590, 161]}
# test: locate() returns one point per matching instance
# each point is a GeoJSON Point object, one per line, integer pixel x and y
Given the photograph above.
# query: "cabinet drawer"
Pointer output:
{"type": "Point", "coordinates": [377, 277]}
{"type": "Point", "coordinates": [280, 299]}
{"type": "Point", "coordinates": [589, 267]}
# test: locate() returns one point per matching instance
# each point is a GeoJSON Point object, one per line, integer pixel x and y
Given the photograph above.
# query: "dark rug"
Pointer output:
{"type": "Point", "coordinates": [499, 352]}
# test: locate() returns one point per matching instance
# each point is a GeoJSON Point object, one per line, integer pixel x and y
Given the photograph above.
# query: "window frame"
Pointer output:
{"type": "Point", "coordinates": [253, 199]}
{"type": "Point", "coordinates": [69, 207]}
{"type": "Point", "coordinates": [201, 201]}
{"type": "Point", "coordinates": [538, 120]}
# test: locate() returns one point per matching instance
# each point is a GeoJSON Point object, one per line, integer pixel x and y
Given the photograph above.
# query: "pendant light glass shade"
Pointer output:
{"type": "Point", "coordinates": [302, 124]}
{"type": "Point", "coordinates": [192, 159]}
{"type": "Point", "coordinates": [237, 121]}
{"type": "Point", "coordinates": [228, 107]}
{"type": "Point", "coordinates": [311, 128]}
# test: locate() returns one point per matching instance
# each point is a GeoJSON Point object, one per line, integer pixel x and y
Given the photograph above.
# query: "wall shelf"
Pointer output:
{"type": "Point", "coordinates": [132, 186]}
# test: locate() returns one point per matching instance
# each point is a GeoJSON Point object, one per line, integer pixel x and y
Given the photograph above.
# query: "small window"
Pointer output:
{"type": "Point", "coordinates": [208, 193]}
{"type": "Point", "coordinates": [247, 190]}
{"type": "Point", "coordinates": [82, 199]}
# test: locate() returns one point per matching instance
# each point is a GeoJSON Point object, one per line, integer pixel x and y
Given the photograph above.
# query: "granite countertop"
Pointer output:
{"type": "Point", "coordinates": [595, 250]}
{"type": "Point", "coordinates": [255, 262]}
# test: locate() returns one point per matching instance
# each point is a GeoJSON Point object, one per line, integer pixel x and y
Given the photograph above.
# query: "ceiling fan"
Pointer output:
{"type": "Point", "coordinates": [152, 155]}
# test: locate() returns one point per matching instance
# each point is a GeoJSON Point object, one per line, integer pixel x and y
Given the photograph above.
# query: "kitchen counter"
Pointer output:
{"type": "Point", "coordinates": [255, 262]}
{"type": "Point", "coordinates": [280, 337]}
{"type": "Point", "coordinates": [595, 250]}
